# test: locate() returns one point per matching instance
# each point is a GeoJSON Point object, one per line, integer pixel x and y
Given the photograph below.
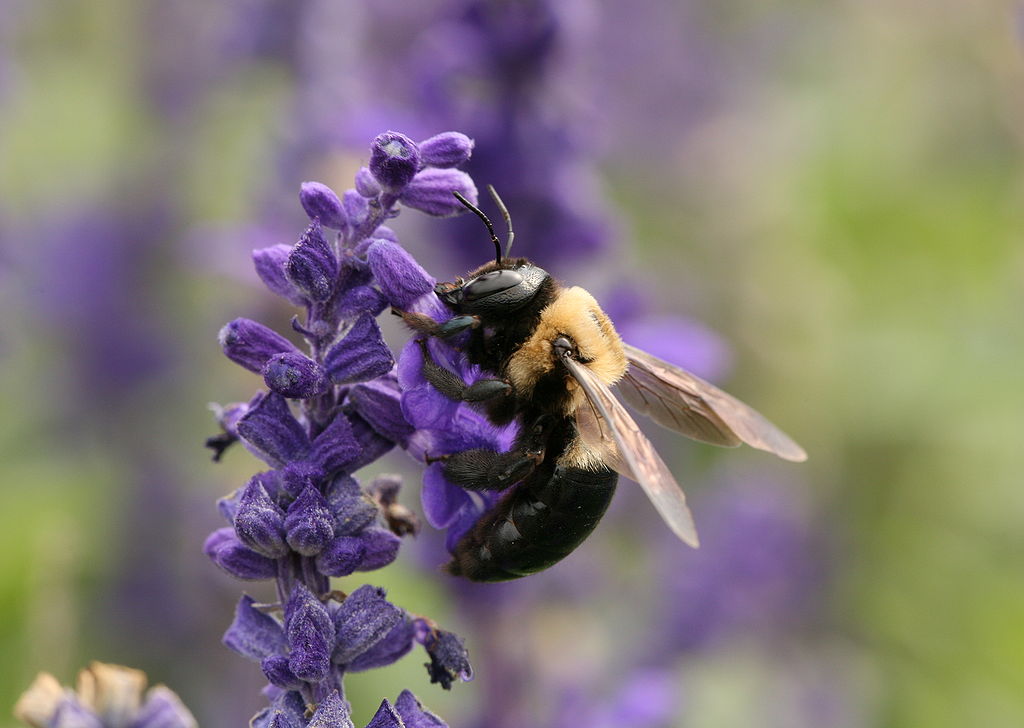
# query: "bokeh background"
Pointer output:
{"type": "Point", "coordinates": [817, 205]}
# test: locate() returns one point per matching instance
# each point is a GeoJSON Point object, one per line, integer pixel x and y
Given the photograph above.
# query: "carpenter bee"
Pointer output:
{"type": "Point", "coordinates": [553, 358]}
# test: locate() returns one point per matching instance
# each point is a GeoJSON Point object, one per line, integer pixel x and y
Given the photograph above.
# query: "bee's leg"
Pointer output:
{"type": "Point", "coordinates": [451, 385]}
{"type": "Point", "coordinates": [426, 325]}
{"type": "Point", "coordinates": [481, 469]}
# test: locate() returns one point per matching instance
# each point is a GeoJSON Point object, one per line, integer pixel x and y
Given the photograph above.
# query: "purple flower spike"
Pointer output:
{"type": "Point", "coordinates": [448, 149]}
{"type": "Point", "coordinates": [342, 556]}
{"type": "Point", "coordinates": [259, 523]}
{"type": "Point", "coordinates": [309, 524]}
{"type": "Point", "coordinates": [361, 355]}
{"type": "Point", "coordinates": [294, 376]}
{"type": "Point", "coordinates": [237, 559]}
{"type": "Point", "coordinates": [310, 634]}
{"type": "Point", "coordinates": [400, 277]}
{"type": "Point", "coordinates": [431, 192]}
{"type": "Point", "coordinates": [366, 185]}
{"type": "Point", "coordinates": [272, 432]}
{"type": "Point", "coordinates": [270, 263]}
{"type": "Point", "coordinates": [321, 203]}
{"type": "Point", "coordinates": [363, 620]}
{"type": "Point", "coordinates": [394, 160]}
{"type": "Point", "coordinates": [254, 634]}
{"type": "Point", "coordinates": [312, 265]}
{"type": "Point", "coordinates": [332, 712]}
{"type": "Point", "coordinates": [414, 715]}
{"type": "Point", "coordinates": [385, 717]}
{"type": "Point", "coordinates": [252, 344]}
{"type": "Point", "coordinates": [276, 670]}
{"type": "Point", "coordinates": [448, 658]}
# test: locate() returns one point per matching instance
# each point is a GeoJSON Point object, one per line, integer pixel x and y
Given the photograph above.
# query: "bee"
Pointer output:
{"type": "Point", "coordinates": [552, 358]}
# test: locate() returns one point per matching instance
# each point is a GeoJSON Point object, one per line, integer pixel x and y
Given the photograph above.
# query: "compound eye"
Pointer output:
{"type": "Point", "coordinates": [490, 283]}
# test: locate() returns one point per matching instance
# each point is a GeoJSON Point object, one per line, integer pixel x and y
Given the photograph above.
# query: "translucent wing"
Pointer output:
{"type": "Point", "coordinates": [687, 404]}
{"type": "Point", "coordinates": [605, 425]}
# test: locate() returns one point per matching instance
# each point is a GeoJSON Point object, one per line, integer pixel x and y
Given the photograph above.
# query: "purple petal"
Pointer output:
{"type": "Point", "coordinates": [361, 299]}
{"type": "Point", "coordinates": [400, 277]}
{"type": "Point", "coordinates": [333, 712]}
{"type": "Point", "coordinates": [373, 445]}
{"type": "Point", "coordinates": [441, 500]}
{"type": "Point", "coordinates": [366, 185]}
{"type": "Point", "coordinates": [394, 159]}
{"type": "Point", "coordinates": [448, 149]}
{"type": "Point", "coordinates": [431, 192]}
{"type": "Point", "coordinates": [395, 645]}
{"type": "Point", "coordinates": [385, 717]}
{"type": "Point", "coordinates": [361, 354]}
{"type": "Point", "coordinates": [272, 432]}
{"type": "Point", "coordinates": [259, 523]}
{"type": "Point", "coordinates": [254, 634]}
{"type": "Point", "coordinates": [380, 403]}
{"type": "Point", "coordinates": [309, 524]}
{"type": "Point", "coordinates": [310, 633]}
{"type": "Point", "coordinates": [279, 674]}
{"type": "Point", "coordinates": [251, 344]}
{"type": "Point", "coordinates": [163, 709]}
{"type": "Point", "coordinates": [336, 448]}
{"type": "Point", "coordinates": [312, 265]}
{"type": "Point", "coordinates": [414, 715]}
{"type": "Point", "coordinates": [295, 376]}
{"type": "Point", "coordinates": [321, 203]}
{"type": "Point", "coordinates": [381, 548]}
{"type": "Point", "coordinates": [270, 263]}
{"type": "Point", "coordinates": [363, 620]}
{"type": "Point", "coordinates": [237, 559]}
{"type": "Point", "coordinates": [351, 509]}
{"type": "Point", "coordinates": [342, 556]}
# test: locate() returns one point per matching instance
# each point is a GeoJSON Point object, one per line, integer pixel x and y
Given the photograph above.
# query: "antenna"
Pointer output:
{"type": "Point", "coordinates": [490, 228]}
{"type": "Point", "coordinates": [504, 214]}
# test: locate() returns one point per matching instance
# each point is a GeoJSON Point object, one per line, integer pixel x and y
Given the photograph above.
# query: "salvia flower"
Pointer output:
{"type": "Point", "coordinates": [331, 409]}
{"type": "Point", "coordinates": [107, 696]}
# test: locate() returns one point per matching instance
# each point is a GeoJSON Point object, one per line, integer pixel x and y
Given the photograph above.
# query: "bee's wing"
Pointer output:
{"type": "Point", "coordinates": [690, 406]}
{"type": "Point", "coordinates": [606, 426]}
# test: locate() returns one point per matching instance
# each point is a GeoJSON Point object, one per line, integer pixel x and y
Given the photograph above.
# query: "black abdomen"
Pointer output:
{"type": "Point", "coordinates": [539, 523]}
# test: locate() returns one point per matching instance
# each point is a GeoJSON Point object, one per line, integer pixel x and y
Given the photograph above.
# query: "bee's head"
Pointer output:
{"type": "Point", "coordinates": [503, 286]}
{"type": "Point", "coordinates": [499, 290]}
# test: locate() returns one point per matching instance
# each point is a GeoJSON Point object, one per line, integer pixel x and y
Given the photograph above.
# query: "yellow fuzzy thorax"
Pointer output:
{"type": "Point", "coordinates": [573, 313]}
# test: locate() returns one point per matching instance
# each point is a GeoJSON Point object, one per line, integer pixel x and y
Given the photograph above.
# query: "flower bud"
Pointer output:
{"type": "Point", "coordinates": [361, 354]}
{"type": "Point", "coordinates": [251, 344]}
{"type": "Point", "coordinates": [448, 149]}
{"type": "Point", "coordinates": [357, 207]}
{"type": "Point", "coordinates": [321, 203]}
{"type": "Point", "coordinates": [312, 265]}
{"type": "Point", "coordinates": [430, 191]}
{"type": "Point", "coordinates": [259, 523]}
{"type": "Point", "coordinates": [270, 263]}
{"type": "Point", "coordinates": [277, 672]}
{"type": "Point", "coordinates": [381, 548]}
{"type": "Point", "coordinates": [342, 556]}
{"type": "Point", "coordinates": [366, 185]}
{"type": "Point", "coordinates": [414, 715]}
{"type": "Point", "coordinates": [309, 525]}
{"type": "Point", "coordinates": [401, 279]}
{"type": "Point", "coordinates": [295, 376]}
{"type": "Point", "coordinates": [379, 402]}
{"type": "Point", "coordinates": [386, 717]}
{"type": "Point", "coordinates": [226, 551]}
{"type": "Point", "coordinates": [394, 160]}
{"type": "Point", "coordinates": [364, 618]}
{"type": "Point", "coordinates": [271, 431]}
{"type": "Point", "coordinates": [310, 633]}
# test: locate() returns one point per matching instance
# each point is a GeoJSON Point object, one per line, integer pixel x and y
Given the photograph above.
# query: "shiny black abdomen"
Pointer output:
{"type": "Point", "coordinates": [540, 522]}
